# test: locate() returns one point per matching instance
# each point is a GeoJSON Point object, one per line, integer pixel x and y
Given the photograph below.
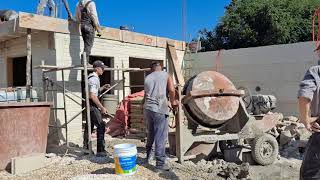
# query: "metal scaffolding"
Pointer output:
{"type": "Point", "coordinates": [49, 84]}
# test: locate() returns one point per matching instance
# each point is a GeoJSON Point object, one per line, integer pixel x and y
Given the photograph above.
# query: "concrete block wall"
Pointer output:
{"type": "Point", "coordinates": [275, 69]}
{"type": "Point", "coordinates": [68, 51]}
{"type": "Point", "coordinates": [18, 48]}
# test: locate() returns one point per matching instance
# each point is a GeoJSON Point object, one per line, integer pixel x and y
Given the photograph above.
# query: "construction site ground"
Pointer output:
{"type": "Point", "coordinates": [74, 164]}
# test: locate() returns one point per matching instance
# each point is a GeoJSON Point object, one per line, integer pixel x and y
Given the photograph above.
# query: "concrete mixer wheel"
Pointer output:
{"type": "Point", "coordinates": [265, 149]}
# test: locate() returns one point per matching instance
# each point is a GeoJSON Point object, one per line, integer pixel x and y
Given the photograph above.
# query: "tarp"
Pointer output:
{"type": "Point", "coordinates": [118, 126]}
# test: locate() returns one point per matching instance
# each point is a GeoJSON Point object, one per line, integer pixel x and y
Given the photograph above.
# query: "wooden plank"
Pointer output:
{"type": "Point", "coordinates": [175, 62]}
{"type": "Point", "coordinates": [45, 23]}
{"type": "Point", "coordinates": [137, 38]}
{"type": "Point", "coordinates": [28, 66]}
{"type": "Point", "coordinates": [162, 42]}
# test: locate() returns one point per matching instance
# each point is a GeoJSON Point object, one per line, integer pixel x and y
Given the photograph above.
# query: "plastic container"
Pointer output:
{"type": "Point", "coordinates": [125, 158]}
{"type": "Point", "coordinates": [110, 102]}
{"type": "Point", "coordinates": [18, 95]}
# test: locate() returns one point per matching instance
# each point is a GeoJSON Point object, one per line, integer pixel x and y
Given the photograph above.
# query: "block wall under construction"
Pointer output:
{"type": "Point", "coordinates": [61, 49]}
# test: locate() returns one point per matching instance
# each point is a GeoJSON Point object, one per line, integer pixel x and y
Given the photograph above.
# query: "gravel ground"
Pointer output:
{"type": "Point", "coordinates": [74, 164]}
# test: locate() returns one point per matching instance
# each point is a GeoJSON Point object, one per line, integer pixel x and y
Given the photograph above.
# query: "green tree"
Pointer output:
{"type": "Point", "coordinates": [251, 23]}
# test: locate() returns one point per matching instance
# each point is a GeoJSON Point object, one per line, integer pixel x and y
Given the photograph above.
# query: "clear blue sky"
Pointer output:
{"type": "Point", "coordinates": [155, 17]}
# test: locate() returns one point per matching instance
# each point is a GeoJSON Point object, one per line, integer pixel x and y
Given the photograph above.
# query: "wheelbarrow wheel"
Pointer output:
{"type": "Point", "coordinates": [265, 149]}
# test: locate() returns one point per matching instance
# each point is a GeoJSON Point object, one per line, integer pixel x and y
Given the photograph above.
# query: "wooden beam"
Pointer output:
{"type": "Point", "coordinates": [45, 23]}
{"type": "Point", "coordinates": [173, 58]}
{"type": "Point", "coordinates": [28, 66]}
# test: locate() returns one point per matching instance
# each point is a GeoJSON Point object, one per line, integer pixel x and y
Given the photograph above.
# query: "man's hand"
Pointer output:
{"type": "Point", "coordinates": [315, 127]}
{"type": "Point", "coordinates": [104, 110]}
{"type": "Point", "coordinates": [307, 125]}
{"type": "Point", "coordinates": [174, 104]}
{"type": "Point", "coordinates": [99, 32]}
{"type": "Point", "coordinates": [106, 87]}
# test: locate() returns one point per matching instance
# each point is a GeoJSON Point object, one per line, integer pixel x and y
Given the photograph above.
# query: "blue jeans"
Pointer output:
{"type": "Point", "coordinates": [157, 125]}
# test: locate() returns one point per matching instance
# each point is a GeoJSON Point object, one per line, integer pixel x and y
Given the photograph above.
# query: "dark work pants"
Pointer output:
{"type": "Point", "coordinates": [87, 32]}
{"type": "Point", "coordinates": [157, 125]}
{"type": "Point", "coordinates": [96, 120]}
{"type": "Point", "coordinates": [310, 168]}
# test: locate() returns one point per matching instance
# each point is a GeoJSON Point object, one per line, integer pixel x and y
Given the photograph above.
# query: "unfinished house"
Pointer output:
{"type": "Point", "coordinates": [57, 42]}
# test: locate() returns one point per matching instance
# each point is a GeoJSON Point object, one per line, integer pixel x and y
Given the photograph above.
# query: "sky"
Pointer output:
{"type": "Point", "coordinates": [155, 17]}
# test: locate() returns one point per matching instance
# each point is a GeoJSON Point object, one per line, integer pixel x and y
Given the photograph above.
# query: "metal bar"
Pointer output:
{"type": "Point", "coordinates": [65, 107]}
{"type": "Point", "coordinates": [87, 101]}
{"type": "Point", "coordinates": [73, 100]}
{"type": "Point", "coordinates": [211, 93]}
{"type": "Point", "coordinates": [75, 116]}
{"type": "Point", "coordinates": [61, 87]}
{"type": "Point", "coordinates": [118, 78]}
{"type": "Point", "coordinates": [44, 88]}
{"type": "Point", "coordinates": [49, 68]}
{"type": "Point", "coordinates": [124, 88]}
{"type": "Point", "coordinates": [28, 66]}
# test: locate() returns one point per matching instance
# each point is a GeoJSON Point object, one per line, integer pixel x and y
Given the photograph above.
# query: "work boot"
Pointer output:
{"type": "Point", "coordinates": [150, 157]}
{"type": "Point", "coordinates": [102, 154]}
{"type": "Point", "coordinates": [164, 167]}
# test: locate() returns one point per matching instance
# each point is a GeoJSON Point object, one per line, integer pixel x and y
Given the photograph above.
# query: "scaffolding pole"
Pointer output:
{"type": "Point", "coordinates": [62, 88]}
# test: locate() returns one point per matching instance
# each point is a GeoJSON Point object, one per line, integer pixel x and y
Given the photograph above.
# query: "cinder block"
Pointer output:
{"type": "Point", "coordinates": [24, 164]}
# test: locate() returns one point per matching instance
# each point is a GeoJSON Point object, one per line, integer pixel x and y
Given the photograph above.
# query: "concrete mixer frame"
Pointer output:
{"type": "Point", "coordinates": [244, 125]}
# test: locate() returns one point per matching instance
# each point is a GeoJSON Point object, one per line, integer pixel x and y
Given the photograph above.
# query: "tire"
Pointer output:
{"type": "Point", "coordinates": [265, 149]}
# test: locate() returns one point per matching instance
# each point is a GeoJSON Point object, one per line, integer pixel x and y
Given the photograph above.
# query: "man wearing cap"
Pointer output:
{"type": "Point", "coordinates": [156, 111]}
{"type": "Point", "coordinates": [309, 109]}
{"type": "Point", "coordinates": [96, 108]}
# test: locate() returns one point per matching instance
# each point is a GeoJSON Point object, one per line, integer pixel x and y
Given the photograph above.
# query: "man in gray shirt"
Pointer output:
{"type": "Point", "coordinates": [156, 86]}
{"type": "Point", "coordinates": [309, 98]}
{"type": "Point", "coordinates": [96, 108]}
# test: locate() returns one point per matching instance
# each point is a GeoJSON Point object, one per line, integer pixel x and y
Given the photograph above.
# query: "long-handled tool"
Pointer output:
{"type": "Point", "coordinates": [66, 5]}
{"type": "Point", "coordinates": [105, 92]}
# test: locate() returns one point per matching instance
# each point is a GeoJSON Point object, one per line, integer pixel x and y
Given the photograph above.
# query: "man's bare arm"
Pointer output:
{"type": "Point", "coordinates": [304, 108]}
{"type": "Point", "coordinates": [171, 91]}
{"type": "Point", "coordinates": [96, 101]}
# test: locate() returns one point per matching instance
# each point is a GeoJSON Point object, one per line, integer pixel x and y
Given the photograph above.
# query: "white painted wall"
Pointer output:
{"type": "Point", "coordinates": [276, 69]}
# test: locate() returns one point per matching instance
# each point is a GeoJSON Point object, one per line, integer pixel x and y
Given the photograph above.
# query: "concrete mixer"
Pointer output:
{"type": "Point", "coordinates": [213, 111]}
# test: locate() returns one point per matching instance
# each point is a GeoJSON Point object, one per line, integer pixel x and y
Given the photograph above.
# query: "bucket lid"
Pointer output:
{"type": "Point", "coordinates": [124, 146]}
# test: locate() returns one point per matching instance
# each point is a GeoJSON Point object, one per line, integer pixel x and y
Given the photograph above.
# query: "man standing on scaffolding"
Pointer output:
{"type": "Point", "coordinates": [87, 16]}
{"type": "Point", "coordinates": [96, 108]}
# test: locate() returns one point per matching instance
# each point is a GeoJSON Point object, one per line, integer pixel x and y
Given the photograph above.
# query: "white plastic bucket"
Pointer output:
{"type": "Point", "coordinates": [125, 158]}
